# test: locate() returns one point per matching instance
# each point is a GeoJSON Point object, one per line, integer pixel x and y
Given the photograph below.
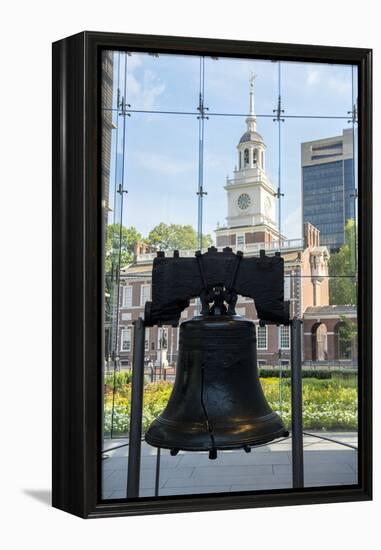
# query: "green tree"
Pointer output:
{"type": "Point", "coordinates": [119, 245]}
{"type": "Point", "coordinates": [176, 237]}
{"type": "Point", "coordinates": [342, 269]}
{"type": "Point", "coordinates": [347, 334]}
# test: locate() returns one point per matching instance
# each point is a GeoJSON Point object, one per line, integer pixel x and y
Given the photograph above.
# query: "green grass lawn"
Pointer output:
{"type": "Point", "coordinates": [329, 404]}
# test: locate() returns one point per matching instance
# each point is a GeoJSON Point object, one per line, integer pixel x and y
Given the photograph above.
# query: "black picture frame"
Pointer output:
{"type": "Point", "coordinates": [77, 280]}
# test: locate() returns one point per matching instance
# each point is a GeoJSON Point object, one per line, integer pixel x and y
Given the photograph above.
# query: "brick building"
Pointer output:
{"type": "Point", "coordinates": [330, 335]}
{"type": "Point", "coordinates": [305, 287]}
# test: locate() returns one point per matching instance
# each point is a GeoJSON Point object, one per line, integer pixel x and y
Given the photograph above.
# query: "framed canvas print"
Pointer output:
{"type": "Point", "coordinates": [211, 274]}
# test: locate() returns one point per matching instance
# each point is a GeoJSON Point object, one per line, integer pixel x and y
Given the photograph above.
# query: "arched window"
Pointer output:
{"type": "Point", "coordinates": [255, 156]}
{"type": "Point", "coordinates": [345, 337]}
{"type": "Point", "coordinates": [240, 159]}
{"type": "Point", "coordinates": [262, 161]}
{"type": "Point", "coordinates": [246, 157]}
{"type": "Point", "coordinates": [344, 343]}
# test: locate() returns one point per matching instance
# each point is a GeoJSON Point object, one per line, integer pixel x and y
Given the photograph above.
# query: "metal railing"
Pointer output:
{"type": "Point", "coordinates": [252, 248]}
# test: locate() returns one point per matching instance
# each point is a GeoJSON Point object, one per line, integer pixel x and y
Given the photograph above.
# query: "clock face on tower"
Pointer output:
{"type": "Point", "coordinates": [244, 201]}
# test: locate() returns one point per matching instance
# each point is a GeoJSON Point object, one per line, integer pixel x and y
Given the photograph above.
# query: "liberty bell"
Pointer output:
{"type": "Point", "coordinates": [217, 400]}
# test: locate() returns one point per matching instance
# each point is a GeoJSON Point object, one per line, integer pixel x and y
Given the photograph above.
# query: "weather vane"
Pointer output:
{"type": "Point", "coordinates": [253, 76]}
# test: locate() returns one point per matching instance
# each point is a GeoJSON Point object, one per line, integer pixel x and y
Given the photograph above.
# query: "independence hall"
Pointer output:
{"type": "Point", "coordinates": [250, 227]}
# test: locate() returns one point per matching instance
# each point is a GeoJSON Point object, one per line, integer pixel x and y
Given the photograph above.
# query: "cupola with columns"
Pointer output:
{"type": "Point", "coordinates": [250, 193]}
{"type": "Point", "coordinates": [251, 147]}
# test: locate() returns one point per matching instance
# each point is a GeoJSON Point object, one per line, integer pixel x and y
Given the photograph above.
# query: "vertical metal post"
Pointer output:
{"type": "Point", "coordinates": [201, 130]}
{"type": "Point", "coordinates": [135, 439]}
{"type": "Point", "coordinates": [296, 404]}
{"type": "Point", "coordinates": [157, 474]}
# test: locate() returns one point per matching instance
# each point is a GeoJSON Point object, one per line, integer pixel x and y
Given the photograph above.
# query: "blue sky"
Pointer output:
{"type": "Point", "coordinates": [161, 150]}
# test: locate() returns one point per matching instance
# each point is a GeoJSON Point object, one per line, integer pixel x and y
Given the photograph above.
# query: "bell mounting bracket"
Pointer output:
{"type": "Point", "coordinates": [217, 278]}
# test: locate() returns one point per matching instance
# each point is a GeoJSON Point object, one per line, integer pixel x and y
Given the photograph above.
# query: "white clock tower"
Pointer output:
{"type": "Point", "coordinates": [250, 194]}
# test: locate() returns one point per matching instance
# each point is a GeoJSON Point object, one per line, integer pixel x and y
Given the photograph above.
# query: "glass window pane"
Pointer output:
{"type": "Point", "coordinates": [262, 337]}
{"type": "Point", "coordinates": [160, 82]}
{"type": "Point", "coordinates": [227, 86]}
{"type": "Point", "coordinates": [284, 337]}
{"type": "Point", "coordinates": [161, 171]}
{"type": "Point", "coordinates": [240, 198]}
{"type": "Point", "coordinates": [316, 89]}
{"type": "Point", "coordinates": [237, 169]}
{"type": "Point", "coordinates": [319, 185]}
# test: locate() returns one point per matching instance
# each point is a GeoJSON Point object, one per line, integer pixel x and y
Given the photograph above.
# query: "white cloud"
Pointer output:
{"type": "Point", "coordinates": [144, 92]}
{"type": "Point", "coordinates": [133, 61]}
{"type": "Point", "coordinates": [313, 77]}
{"type": "Point", "coordinates": [228, 81]}
{"type": "Point", "coordinates": [292, 224]}
{"type": "Point", "coordinates": [215, 160]}
{"type": "Point", "coordinates": [163, 164]}
{"type": "Point", "coordinates": [152, 89]}
{"type": "Point", "coordinates": [338, 84]}
{"type": "Point", "coordinates": [133, 87]}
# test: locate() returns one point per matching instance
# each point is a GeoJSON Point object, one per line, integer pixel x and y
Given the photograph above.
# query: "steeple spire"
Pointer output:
{"type": "Point", "coordinates": [251, 120]}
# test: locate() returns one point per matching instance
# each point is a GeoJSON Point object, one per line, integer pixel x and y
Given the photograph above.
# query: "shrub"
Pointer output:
{"type": "Point", "coordinates": [155, 398]}
{"type": "Point", "coordinates": [119, 379]}
{"type": "Point", "coordinates": [328, 404]}
{"type": "Point", "coordinates": [321, 374]}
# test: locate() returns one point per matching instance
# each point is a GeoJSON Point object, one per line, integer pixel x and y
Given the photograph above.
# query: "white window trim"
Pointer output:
{"type": "Point", "coordinates": [281, 327]}
{"type": "Point", "coordinates": [124, 294]}
{"type": "Point", "coordinates": [123, 330]}
{"type": "Point", "coordinates": [287, 287]}
{"type": "Point", "coordinates": [126, 316]}
{"type": "Point", "coordinates": [159, 333]}
{"type": "Point", "coordinates": [267, 337]}
{"type": "Point", "coordinates": [146, 340]}
{"type": "Point", "coordinates": [142, 287]}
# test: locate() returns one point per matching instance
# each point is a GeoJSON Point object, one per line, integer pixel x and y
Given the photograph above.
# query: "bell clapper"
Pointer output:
{"type": "Point", "coordinates": [174, 452]}
{"type": "Point", "coordinates": [212, 454]}
{"type": "Point", "coordinates": [247, 449]}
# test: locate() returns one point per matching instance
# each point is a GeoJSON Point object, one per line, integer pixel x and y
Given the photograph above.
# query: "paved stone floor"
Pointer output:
{"type": "Point", "coordinates": [267, 467]}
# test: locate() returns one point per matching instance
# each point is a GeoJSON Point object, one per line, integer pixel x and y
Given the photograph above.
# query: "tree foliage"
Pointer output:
{"type": "Point", "coordinates": [120, 244]}
{"type": "Point", "coordinates": [120, 241]}
{"type": "Point", "coordinates": [347, 335]}
{"type": "Point", "coordinates": [342, 270]}
{"type": "Point", "coordinates": [176, 237]}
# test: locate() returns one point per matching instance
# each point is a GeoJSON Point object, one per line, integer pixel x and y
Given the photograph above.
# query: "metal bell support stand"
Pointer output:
{"type": "Point", "coordinates": [136, 414]}
{"type": "Point", "coordinates": [296, 404]}
{"type": "Point", "coordinates": [137, 383]}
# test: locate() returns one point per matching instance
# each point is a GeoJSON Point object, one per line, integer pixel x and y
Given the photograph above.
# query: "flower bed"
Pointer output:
{"type": "Point", "coordinates": [327, 404]}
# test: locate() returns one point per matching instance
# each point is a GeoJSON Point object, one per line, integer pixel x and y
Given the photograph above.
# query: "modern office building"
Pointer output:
{"type": "Point", "coordinates": [328, 186]}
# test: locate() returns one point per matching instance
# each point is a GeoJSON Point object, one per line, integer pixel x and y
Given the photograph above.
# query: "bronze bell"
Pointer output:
{"type": "Point", "coordinates": [217, 400]}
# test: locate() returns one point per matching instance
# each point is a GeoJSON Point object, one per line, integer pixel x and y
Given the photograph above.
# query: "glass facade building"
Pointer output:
{"type": "Point", "coordinates": [328, 183]}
